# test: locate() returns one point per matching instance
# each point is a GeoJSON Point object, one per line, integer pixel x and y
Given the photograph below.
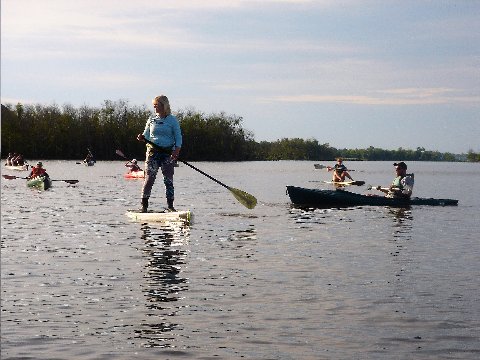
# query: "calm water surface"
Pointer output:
{"type": "Point", "coordinates": [81, 281]}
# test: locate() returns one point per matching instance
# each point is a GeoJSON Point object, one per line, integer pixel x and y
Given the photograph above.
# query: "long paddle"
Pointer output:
{"type": "Point", "coordinates": [376, 187]}
{"type": "Point", "coordinates": [247, 200]}
{"type": "Point", "coordinates": [346, 183]}
{"type": "Point", "coordinates": [121, 154]}
{"type": "Point", "coordinates": [385, 190]}
{"type": "Point", "coordinates": [11, 177]}
{"type": "Point", "coordinates": [320, 166]}
{"type": "Point", "coordinates": [380, 188]}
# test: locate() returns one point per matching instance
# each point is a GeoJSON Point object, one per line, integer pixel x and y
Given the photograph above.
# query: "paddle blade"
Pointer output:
{"type": "Point", "coordinates": [247, 200]}
{"type": "Point", "coordinates": [120, 153]}
{"type": "Point", "coordinates": [358, 183]}
{"type": "Point", "coordinates": [10, 177]}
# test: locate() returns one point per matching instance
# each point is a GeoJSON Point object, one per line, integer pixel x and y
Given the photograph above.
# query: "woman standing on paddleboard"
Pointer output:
{"type": "Point", "coordinates": [162, 129]}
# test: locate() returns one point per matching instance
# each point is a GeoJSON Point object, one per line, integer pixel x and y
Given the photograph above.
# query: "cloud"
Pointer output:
{"type": "Point", "coordinates": [11, 100]}
{"type": "Point", "coordinates": [396, 97]}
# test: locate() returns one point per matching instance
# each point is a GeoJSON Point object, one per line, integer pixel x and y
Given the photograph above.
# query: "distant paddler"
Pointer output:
{"type": "Point", "coordinates": [38, 170]}
{"type": "Point", "coordinates": [133, 165]}
{"type": "Point", "coordinates": [340, 171]}
{"type": "Point", "coordinates": [89, 159]}
{"type": "Point", "coordinates": [15, 159]}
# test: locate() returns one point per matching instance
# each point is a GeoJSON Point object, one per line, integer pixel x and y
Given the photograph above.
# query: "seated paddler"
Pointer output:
{"type": "Point", "coordinates": [402, 185]}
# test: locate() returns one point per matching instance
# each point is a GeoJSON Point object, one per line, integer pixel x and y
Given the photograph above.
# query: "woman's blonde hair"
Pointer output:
{"type": "Point", "coordinates": [162, 99]}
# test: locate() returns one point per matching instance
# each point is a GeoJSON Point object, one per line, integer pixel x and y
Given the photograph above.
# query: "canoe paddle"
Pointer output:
{"type": "Point", "coordinates": [247, 200]}
{"type": "Point", "coordinates": [11, 177]}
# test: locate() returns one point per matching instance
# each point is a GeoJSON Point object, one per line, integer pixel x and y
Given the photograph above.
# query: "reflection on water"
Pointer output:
{"type": "Point", "coordinates": [80, 280]}
{"type": "Point", "coordinates": [307, 215]}
{"type": "Point", "coordinates": [304, 215]}
{"type": "Point", "coordinates": [247, 234]}
{"type": "Point", "coordinates": [164, 283]}
{"type": "Point", "coordinates": [401, 237]}
{"type": "Point", "coordinates": [401, 215]}
{"type": "Point", "coordinates": [239, 239]}
{"type": "Point", "coordinates": [402, 227]}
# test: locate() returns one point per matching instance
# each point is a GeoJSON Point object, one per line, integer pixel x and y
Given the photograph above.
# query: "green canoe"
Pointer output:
{"type": "Point", "coordinates": [40, 182]}
{"type": "Point", "coordinates": [343, 198]}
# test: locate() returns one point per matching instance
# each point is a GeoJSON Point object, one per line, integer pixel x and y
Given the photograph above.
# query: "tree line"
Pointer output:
{"type": "Point", "coordinates": [66, 132]}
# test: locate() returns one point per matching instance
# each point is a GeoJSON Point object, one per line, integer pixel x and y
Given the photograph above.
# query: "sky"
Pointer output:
{"type": "Point", "coordinates": [348, 73]}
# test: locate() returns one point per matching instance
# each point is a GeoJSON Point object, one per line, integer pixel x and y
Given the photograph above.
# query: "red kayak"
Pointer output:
{"type": "Point", "coordinates": [135, 175]}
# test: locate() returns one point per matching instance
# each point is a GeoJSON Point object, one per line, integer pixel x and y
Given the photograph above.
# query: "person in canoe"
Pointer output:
{"type": "Point", "coordinates": [163, 129]}
{"type": "Point", "coordinates": [38, 170]}
{"type": "Point", "coordinates": [19, 160]}
{"type": "Point", "coordinates": [402, 185]}
{"type": "Point", "coordinates": [340, 171]}
{"type": "Point", "coordinates": [133, 165]}
{"type": "Point", "coordinates": [16, 160]}
{"type": "Point", "coordinates": [9, 160]}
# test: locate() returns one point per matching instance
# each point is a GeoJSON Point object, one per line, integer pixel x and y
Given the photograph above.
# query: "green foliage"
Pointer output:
{"type": "Point", "coordinates": [53, 132]}
{"type": "Point", "coordinates": [294, 149]}
{"type": "Point", "coordinates": [473, 157]}
{"type": "Point", "coordinates": [373, 154]}
{"type": "Point", "coordinates": [216, 137]}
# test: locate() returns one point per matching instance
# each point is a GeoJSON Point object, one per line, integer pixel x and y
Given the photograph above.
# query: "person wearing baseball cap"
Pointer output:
{"type": "Point", "coordinates": [401, 164]}
{"type": "Point", "coordinates": [37, 170]}
{"type": "Point", "coordinates": [402, 185]}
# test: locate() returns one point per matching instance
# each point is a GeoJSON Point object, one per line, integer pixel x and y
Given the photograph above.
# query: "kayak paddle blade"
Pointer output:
{"type": "Point", "coordinates": [358, 183]}
{"type": "Point", "coordinates": [11, 177]}
{"type": "Point", "coordinates": [247, 200]}
{"type": "Point", "coordinates": [68, 181]}
{"type": "Point", "coordinates": [120, 153]}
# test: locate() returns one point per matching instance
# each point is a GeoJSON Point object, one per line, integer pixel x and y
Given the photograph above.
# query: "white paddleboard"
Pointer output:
{"type": "Point", "coordinates": [160, 216]}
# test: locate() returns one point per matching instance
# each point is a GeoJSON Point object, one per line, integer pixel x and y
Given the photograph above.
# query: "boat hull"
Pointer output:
{"type": "Point", "coordinates": [40, 182]}
{"type": "Point", "coordinates": [342, 198]}
{"type": "Point", "coordinates": [160, 216]}
{"type": "Point", "coordinates": [135, 175]}
{"type": "Point", "coordinates": [17, 167]}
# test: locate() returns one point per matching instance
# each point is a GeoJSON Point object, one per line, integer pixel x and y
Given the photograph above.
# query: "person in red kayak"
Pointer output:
{"type": "Point", "coordinates": [133, 165]}
{"type": "Point", "coordinates": [38, 170]}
